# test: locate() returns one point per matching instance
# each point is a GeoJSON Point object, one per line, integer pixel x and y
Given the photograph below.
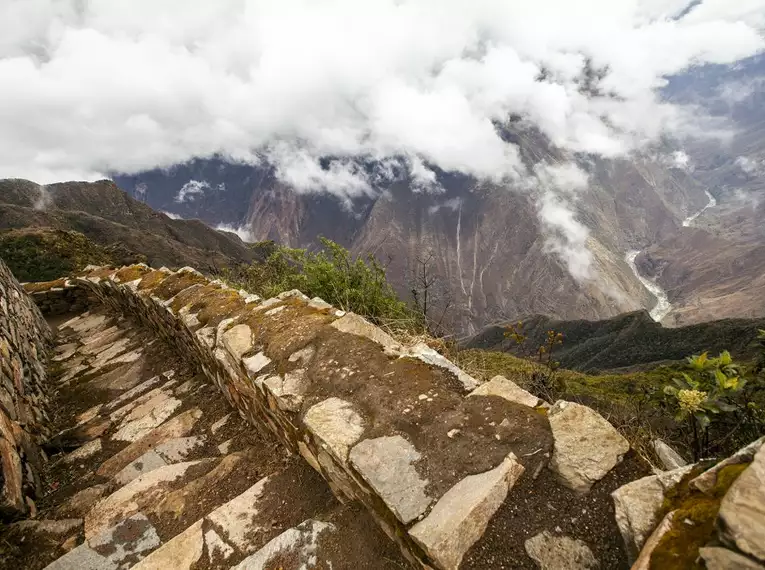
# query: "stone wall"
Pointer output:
{"type": "Point", "coordinates": [24, 343]}
{"type": "Point", "coordinates": [401, 429]}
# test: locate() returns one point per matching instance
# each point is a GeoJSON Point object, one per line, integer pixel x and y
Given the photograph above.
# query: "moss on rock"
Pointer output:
{"type": "Point", "coordinates": [693, 523]}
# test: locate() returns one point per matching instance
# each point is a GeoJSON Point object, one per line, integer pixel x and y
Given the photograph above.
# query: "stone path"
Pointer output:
{"type": "Point", "coordinates": [151, 469]}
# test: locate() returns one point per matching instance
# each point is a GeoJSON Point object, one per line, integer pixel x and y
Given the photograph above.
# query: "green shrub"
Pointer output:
{"type": "Point", "coordinates": [351, 284]}
{"type": "Point", "coordinates": [47, 254]}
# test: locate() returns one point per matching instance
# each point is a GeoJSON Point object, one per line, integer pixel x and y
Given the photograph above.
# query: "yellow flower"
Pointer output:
{"type": "Point", "coordinates": [691, 400]}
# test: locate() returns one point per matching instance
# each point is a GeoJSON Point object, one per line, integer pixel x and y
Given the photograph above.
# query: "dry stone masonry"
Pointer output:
{"type": "Point", "coordinates": [458, 474]}
{"type": "Point", "coordinates": [24, 344]}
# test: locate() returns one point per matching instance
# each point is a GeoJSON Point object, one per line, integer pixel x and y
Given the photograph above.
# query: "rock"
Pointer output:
{"type": "Point", "coordinates": [336, 424]}
{"type": "Point", "coordinates": [238, 518]}
{"type": "Point", "coordinates": [586, 446]}
{"type": "Point", "coordinates": [644, 560]}
{"type": "Point", "coordinates": [180, 553]}
{"type": "Point", "coordinates": [718, 558]}
{"type": "Point", "coordinates": [741, 520]}
{"type": "Point", "coordinates": [288, 391]}
{"type": "Point", "coordinates": [255, 364]}
{"type": "Point", "coordinates": [560, 553]}
{"type": "Point", "coordinates": [83, 452]}
{"type": "Point", "coordinates": [124, 502]}
{"type": "Point", "coordinates": [237, 340]}
{"type": "Point", "coordinates": [299, 544]}
{"type": "Point", "coordinates": [423, 352]}
{"type": "Point", "coordinates": [387, 464]}
{"type": "Point", "coordinates": [148, 462]}
{"type": "Point", "coordinates": [78, 505]}
{"type": "Point", "coordinates": [11, 496]}
{"type": "Point", "coordinates": [179, 448]}
{"type": "Point", "coordinates": [708, 479]}
{"type": "Point", "coordinates": [669, 458]}
{"type": "Point", "coordinates": [113, 549]}
{"type": "Point", "coordinates": [354, 324]}
{"type": "Point", "coordinates": [637, 506]}
{"type": "Point", "coordinates": [507, 389]}
{"type": "Point", "coordinates": [460, 517]}
{"type": "Point", "coordinates": [178, 426]}
{"type": "Point", "coordinates": [146, 417]}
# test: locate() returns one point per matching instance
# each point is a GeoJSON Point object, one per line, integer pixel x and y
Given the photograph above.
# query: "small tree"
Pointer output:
{"type": "Point", "coordinates": [430, 298]}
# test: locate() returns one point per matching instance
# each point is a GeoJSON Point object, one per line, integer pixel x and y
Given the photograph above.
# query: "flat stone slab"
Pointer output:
{"type": "Point", "coordinates": [236, 523]}
{"type": "Point", "coordinates": [297, 547]}
{"type": "Point", "coordinates": [176, 427]}
{"type": "Point", "coordinates": [560, 553]}
{"type": "Point", "coordinates": [113, 549]}
{"type": "Point", "coordinates": [586, 446]}
{"type": "Point", "coordinates": [336, 424]}
{"type": "Point", "coordinates": [387, 464]}
{"type": "Point", "coordinates": [507, 389]}
{"type": "Point", "coordinates": [128, 500]}
{"type": "Point", "coordinates": [146, 417]}
{"type": "Point", "coordinates": [460, 517]}
{"type": "Point", "coordinates": [148, 462]}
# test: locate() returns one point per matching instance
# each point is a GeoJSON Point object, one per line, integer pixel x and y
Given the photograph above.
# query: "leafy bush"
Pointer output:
{"type": "Point", "coordinates": [351, 284]}
{"type": "Point", "coordinates": [719, 406]}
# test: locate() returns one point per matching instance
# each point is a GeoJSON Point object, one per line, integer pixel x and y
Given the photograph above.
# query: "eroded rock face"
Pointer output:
{"type": "Point", "coordinates": [560, 553]}
{"type": "Point", "coordinates": [586, 448]}
{"type": "Point", "coordinates": [460, 517]}
{"type": "Point", "coordinates": [741, 519]}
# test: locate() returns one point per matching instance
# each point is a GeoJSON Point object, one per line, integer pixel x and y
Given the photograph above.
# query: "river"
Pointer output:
{"type": "Point", "coordinates": [663, 306]}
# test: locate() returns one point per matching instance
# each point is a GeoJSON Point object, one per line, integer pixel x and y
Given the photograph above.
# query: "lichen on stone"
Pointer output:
{"type": "Point", "coordinates": [176, 283]}
{"type": "Point", "coordinates": [152, 279]}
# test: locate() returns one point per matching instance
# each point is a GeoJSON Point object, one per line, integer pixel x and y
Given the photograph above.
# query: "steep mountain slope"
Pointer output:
{"type": "Point", "coordinates": [631, 340]}
{"type": "Point", "coordinates": [107, 216]}
{"type": "Point", "coordinates": [493, 255]}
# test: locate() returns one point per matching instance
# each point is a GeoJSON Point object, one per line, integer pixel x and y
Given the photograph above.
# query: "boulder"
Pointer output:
{"type": "Point", "coordinates": [586, 446]}
{"type": "Point", "coordinates": [559, 552]}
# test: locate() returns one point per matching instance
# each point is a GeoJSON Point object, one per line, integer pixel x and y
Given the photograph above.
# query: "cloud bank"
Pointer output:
{"type": "Point", "coordinates": [98, 86]}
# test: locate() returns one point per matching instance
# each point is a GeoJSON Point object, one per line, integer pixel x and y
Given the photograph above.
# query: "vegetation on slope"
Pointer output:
{"type": "Point", "coordinates": [351, 284]}
{"type": "Point", "coordinates": [45, 254]}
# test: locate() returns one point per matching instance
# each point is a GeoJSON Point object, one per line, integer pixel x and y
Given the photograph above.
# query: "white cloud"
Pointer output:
{"type": "Point", "coordinates": [191, 191]}
{"type": "Point", "coordinates": [244, 233]}
{"type": "Point", "coordinates": [127, 85]}
{"type": "Point", "coordinates": [171, 215]}
{"type": "Point", "coordinates": [750, 166]}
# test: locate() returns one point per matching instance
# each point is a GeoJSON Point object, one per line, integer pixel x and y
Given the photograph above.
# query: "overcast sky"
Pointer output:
{"type": "Point", "coordinates": [91, 87]}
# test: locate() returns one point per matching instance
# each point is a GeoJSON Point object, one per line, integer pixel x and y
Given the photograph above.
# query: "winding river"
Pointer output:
{"type": "Point", "coordinates": [663, 306]}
